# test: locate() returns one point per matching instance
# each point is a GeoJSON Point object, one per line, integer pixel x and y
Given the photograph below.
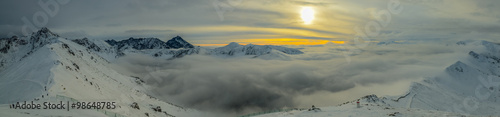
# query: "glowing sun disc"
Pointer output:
{"type": "Point", "coordinates": [307, 14]}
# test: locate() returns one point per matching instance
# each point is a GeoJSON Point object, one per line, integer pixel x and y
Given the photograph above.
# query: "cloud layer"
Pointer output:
{"type": "Point", "coordinates": [243, 85]}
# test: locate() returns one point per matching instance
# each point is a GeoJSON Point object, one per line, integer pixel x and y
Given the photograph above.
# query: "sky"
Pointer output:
{"type": "Point", "coordinates": [328, 73]}
{"type": "Point", "coordinates": [276, 22]}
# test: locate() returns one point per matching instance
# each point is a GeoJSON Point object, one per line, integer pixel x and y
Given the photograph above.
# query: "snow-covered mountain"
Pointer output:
{"type": "Point", "coordinates": [470, 86]}
{"type": "Point", "coordinates": [234, 48]}
{"type": "Point", "coordinates": [177, 48]}
{"type": "Point", "coordinates": [149, 43]}
{"type": "Point", "coordinates": [465, 88]}
{"type": "Point", "coordinates": [173, 48]}
{"type": "Point", "coordinates": [178, 42]}
{"type": "Point", "coordinates": [44, 67]}
{"type": "Point", "coordinates": [369, 106]}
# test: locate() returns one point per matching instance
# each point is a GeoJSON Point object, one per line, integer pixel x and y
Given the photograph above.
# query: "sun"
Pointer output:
{"type": "Point", "coordinates": [307, 15]}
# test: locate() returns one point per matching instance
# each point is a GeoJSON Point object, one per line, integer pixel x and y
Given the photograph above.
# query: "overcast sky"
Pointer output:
{"type": "Point", "coordinates": [255, 21]}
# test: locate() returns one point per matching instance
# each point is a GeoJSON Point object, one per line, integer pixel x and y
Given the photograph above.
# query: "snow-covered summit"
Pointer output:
{"type": "Point", "coordinates": [15, 48]}
{"type": "Point", "coordinates": [150, 43]}
{"type": "Point", "coordinates": [59, 69]}
{"type": "Point", "coordinates": [45, 33]}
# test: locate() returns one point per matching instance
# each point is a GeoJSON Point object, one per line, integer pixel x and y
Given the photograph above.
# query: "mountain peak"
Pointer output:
{"type": "Point", "coordinates": [45, 29]}
{"type": "Point", "coordinates": [138, 43]}
{"type": "Point", "coordinates": [45, 32]}
{"type": "Point", "coordinates": [150, 43]}
{"type": "Point", "coordinates": [177, 38]}
{"type": "Point", "coordinates": [178, 42]}
{"type": "Point", "coordinates": [233, 44]}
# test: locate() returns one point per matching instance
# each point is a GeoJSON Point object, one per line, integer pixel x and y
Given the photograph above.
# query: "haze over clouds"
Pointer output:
{"type": "Point", "coordinates": [199, 22]}
{"type": "Point", "coordinates": [241, 85]}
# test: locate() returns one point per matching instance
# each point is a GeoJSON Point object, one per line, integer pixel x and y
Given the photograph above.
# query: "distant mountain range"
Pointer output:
{"type": "Point", "coordinates": [177, 47]}
{"type": "Point", "coordinates": [150, 43]}
{"type": "Point", "coordinates": [44, 65]}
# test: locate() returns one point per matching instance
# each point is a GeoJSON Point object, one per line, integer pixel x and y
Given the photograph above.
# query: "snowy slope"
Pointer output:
{"type": "Point", "coordinates": [28, 76]}
{"type": "Point", "coordinates": [370, 110]}
{"type": "Point", "coordinates": [470, 87]}
{"type": "Point", "coordinates": [50, 68]}
{"type": "Point", "coordinates": [100, 47]}
{"type": "Point", "coordinates": [15, 49]}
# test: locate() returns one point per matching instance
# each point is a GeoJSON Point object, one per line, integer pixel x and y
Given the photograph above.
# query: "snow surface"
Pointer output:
{"type": "Point", "coordinates": [471, 87]}
{"type": "Point", "coordinates": [60, 69]}
{"type": "Point", "coordinates": [366, 110]}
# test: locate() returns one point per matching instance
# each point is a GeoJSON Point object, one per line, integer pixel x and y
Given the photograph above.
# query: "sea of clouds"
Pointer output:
{"type": "Point", "coordinates": [321, 76]}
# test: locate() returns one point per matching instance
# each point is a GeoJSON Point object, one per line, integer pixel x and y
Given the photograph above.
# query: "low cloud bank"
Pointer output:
{"type": "Point", "coordinates": [243, 85]}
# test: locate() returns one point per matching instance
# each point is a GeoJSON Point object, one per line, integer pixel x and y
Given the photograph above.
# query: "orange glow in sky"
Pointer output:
{"type": "Point", "coordinates": [279, 41]}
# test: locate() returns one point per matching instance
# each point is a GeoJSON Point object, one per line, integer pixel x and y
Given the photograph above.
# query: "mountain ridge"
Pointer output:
{"type": "Point", "coordinates": [59, 69]}
{"type": "Point", "coordinates": [178, 47]}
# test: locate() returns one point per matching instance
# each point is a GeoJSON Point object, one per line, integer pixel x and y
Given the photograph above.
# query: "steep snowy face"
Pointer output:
{"type": "Point", "coordinates": [16, 48]}
{"type": "Point", "coordinates": [26, 78]}
{"type": "Point", "coordinates": [178, 42]}
{"type": "Point", "coordinates": [100, 47]}
{"type": "Point", "coordinates": [471, 86]}
{"type": "Point", "coordinates": [44, 33]}
{"type": "Point", "coordinates": [86, 43]}
{"type": "Point", "coordinates": [25, 64]}
{"type": "Point", "coordinates": [286, 50]}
